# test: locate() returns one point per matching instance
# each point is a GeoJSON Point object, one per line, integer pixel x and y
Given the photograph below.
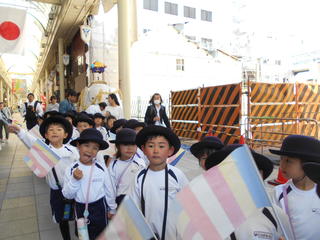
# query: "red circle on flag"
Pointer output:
{"type": "Point", "coordinates": [9, 30]}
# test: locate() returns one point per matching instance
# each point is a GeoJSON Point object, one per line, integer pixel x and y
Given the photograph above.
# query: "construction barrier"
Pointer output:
{"type": "Point", "coordinates": [211, 110]}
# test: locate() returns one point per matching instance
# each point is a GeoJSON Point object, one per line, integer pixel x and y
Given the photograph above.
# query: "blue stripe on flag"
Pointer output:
{"type": "Point", "coordinates": [246, 166]}
{"type": "Point", "coordinates": [47, 148]}
{"type": "Point", "coordinates": [137, 218]}
{"type": "Point", "coordinates": [177, 159]}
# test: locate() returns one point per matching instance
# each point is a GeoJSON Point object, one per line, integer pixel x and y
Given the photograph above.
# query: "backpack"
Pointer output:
{"type": "Point", "coordinates": [31, 113]}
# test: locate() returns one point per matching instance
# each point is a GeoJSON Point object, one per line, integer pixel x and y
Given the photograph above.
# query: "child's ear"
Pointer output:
{"type": "Point", "coordinates": [171, 150]}
{"type": "Point", "coordinates": [65, 135]}
{"type": "Point", "coordinates": [142, 148]}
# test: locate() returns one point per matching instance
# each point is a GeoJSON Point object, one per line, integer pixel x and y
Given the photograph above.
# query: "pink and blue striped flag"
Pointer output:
{"type": "Point", "coordinates": [214, 204]}
{"type": "Point", "coordinates": [41, 159]}
{"type": "Point", "coordinates": [173, 160]}
{"type": "Point", "coordinates": [128, 224]}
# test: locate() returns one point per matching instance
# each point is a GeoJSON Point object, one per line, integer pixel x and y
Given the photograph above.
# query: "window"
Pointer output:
{"type": "Point", "coordinates": [206, 43]}
{"type": "Point", "coordinates": [171, 8]}
{"type": "Point", "coordinates": [180, 64]}
{"type": "Point", "coordinates": [150, 5]}
{"type": "Point", "coordinates": [189, 12]}
{"type": "Point", "coordinates": [191, 38]}
{"type": "Point", "coordinates": [206, 15]}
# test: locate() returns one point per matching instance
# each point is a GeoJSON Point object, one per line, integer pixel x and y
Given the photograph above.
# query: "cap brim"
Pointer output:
{"type": "Point", "coordinates": [312, 170]}
{"type": "Point", "coordinates": [158, 130]}
{"type": "Point", "coordinates": [263, 163]}
{"type": "Point", "coordinates": [295, 154]}
{"type": "Point", "coordinates": [102, 144]}
{"type": "Point", "coordinates": [195, 148]}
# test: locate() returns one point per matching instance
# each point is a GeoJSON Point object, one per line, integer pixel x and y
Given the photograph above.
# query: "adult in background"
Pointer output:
{"type": "Point", "coordinates": [97, 108]}
{"type": "Point", "coordinates": [156, 112]}
{"type": "Point", "coordinates": [67, 104]}
{"type": "Point", "coordinates": [31, 110]}
{"type": "Point", "coordinates": [5, 119]}
{"type": "Point", "coordinates": [113, 107]}
{"type": "Point", "coordinates": [53, 105]}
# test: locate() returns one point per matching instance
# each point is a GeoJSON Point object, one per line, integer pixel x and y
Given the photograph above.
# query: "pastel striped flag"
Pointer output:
{"type": "Point", "coordinates": [128, 224]}
{"type": "Point", "coordinates": [41, 159]}
{"type": "Point", "coordinates": [35, 131]}
{"type": "Point", "coordinates": [173, 160]}
{"type": "Point", "coordinates": [214, 204]}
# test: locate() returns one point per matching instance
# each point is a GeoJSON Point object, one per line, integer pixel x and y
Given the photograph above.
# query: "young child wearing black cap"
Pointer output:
{"type": "Point", "coordinates": [83, 122]}
{"type": "Point", "coordinates": [156, 187]}
{"type": "Point", "coordinates": [201, 150]}
{"type": "Point", "coordinates": [57, 131]}
{"type": "Point", "coordinates": [263, 224]}
{"type": "Point", "coordinates": [124, 168]}
{"type": "Point", "coordinates": [98, 119]}
{"type": "Point", "coordinates": [70, 116]}
{"type": "Point", "coordinates": [89, 183]}
{"type": "Point", "coordinates": [298, 197]}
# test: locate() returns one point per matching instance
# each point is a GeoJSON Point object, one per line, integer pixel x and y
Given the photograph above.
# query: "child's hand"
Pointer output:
{"type": "Point", "coordinates": [14, 128]}
{"type": "Point", "coordinates": [110, 215]}
{"type": "Point", "coordinates": [282, 238]}
{"type": "Point", "coordinates": [77, 174]}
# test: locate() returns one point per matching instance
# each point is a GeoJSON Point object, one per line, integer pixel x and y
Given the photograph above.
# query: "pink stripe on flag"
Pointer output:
{"type": "Point", "coordinates": [216, 180]}
{"type": "Point", "coordinates": [197, 215]}
{"type": "Point", "coordinates": [38, 166]}
{"type": "Point", "coordinates": [190, 231]}
{"type": "Point", "coordinates": [43, 155]}
{"type": "Point", "coordinates": [120, 226]}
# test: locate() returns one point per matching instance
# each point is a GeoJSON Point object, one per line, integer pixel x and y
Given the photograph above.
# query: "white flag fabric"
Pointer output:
{"type": "Point", "coordinates": [12, 24]}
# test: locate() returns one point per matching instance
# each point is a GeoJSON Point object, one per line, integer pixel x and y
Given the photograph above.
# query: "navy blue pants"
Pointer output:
{"type": "Point", "coordinates": [97, 216]}
{"type": "Point", "coordinates": [57, 204]}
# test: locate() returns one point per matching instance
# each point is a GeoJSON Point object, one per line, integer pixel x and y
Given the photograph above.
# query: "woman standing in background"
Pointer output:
{"type": "Point", "coordinates": [156, 112]}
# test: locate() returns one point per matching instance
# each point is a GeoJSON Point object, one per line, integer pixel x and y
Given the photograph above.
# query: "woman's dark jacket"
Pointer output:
{"type": "Point", "coordinates": [152, 113]}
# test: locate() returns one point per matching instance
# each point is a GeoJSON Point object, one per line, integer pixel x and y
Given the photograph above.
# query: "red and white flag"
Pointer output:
{"type": "Point", "coordinates": [12, 24]}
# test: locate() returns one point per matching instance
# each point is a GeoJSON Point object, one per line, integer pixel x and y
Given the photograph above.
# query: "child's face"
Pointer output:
{"type": "Point", "coordinates": [82, 126]}
{"type": "Point", "coordinates": [98, 121]}
{"type": "Point", "coordinates": [55, 134]}
{"type": "Point", "coordinates": [87, 152]}
{"type": "Point", "coordinates": [291, 167]}
{"type": "Point", "coordinates": [127, 151]}
{"type": "Point", "coordinates": [157, 150]}
{"type": "Point", "coordinates": [110, 122]}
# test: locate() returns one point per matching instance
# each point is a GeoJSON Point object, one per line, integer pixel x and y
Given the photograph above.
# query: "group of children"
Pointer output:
{"type": "Point", "coordinates": [95, 184]}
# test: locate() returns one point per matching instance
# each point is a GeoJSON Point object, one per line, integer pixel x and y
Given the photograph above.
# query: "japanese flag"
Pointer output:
{"type": "Point", "coordinates": [12, 24]}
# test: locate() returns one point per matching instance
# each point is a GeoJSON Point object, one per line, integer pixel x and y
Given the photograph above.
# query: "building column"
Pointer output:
{"type": "Point", "coordinates": [124, 55]}
{"type": "Point", "coordinates": [46, 76]}
{"type": "Point", "coordinates": [61, 68]}
{"type": "Point", "coordinates": [1, 90]}
{"type": "Point", "coordinates": [8, 96]}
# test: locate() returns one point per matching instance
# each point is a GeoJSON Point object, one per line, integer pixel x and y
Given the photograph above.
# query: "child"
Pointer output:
{"type": "Point", "coordinates": [83, 122]}
{"type": "Point", "coordinates": [57, 131]}
{"type": "Point", "coordinates": [201, 150]}
{"type": "Point", "coordinates": [98, 121]}
{"type": "Point", "coordinates": [263, 224]}
{"type": "Point", "coordinates": [298, 197]}
{"type": "Point", "coordinates": [124, 168]}
{"type": "Point", "coordinates": [70, 117]}
{"type": "Point", "coordinates": [109, 124]}
{"type": "Point", "coordinates": [88, 182]}
{"type": "Point", "coordinates": [156, 187]}
{"type": "Point", "coordinates": [137, 126]}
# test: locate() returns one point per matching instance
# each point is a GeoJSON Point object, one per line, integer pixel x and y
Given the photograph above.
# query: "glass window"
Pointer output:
{"type": "Point", "coordinates": [189, 12]}
{"type": "Point", "coordinates": [206, 15]}
{"type": "Point", "coordinates": [171, 8]}
{"type": "Point", "coordinates": [206, 43]}
{"type": "Point", "coordinates": [150, 5]}
{"type": "Point", "coordinates": [180, 64]}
